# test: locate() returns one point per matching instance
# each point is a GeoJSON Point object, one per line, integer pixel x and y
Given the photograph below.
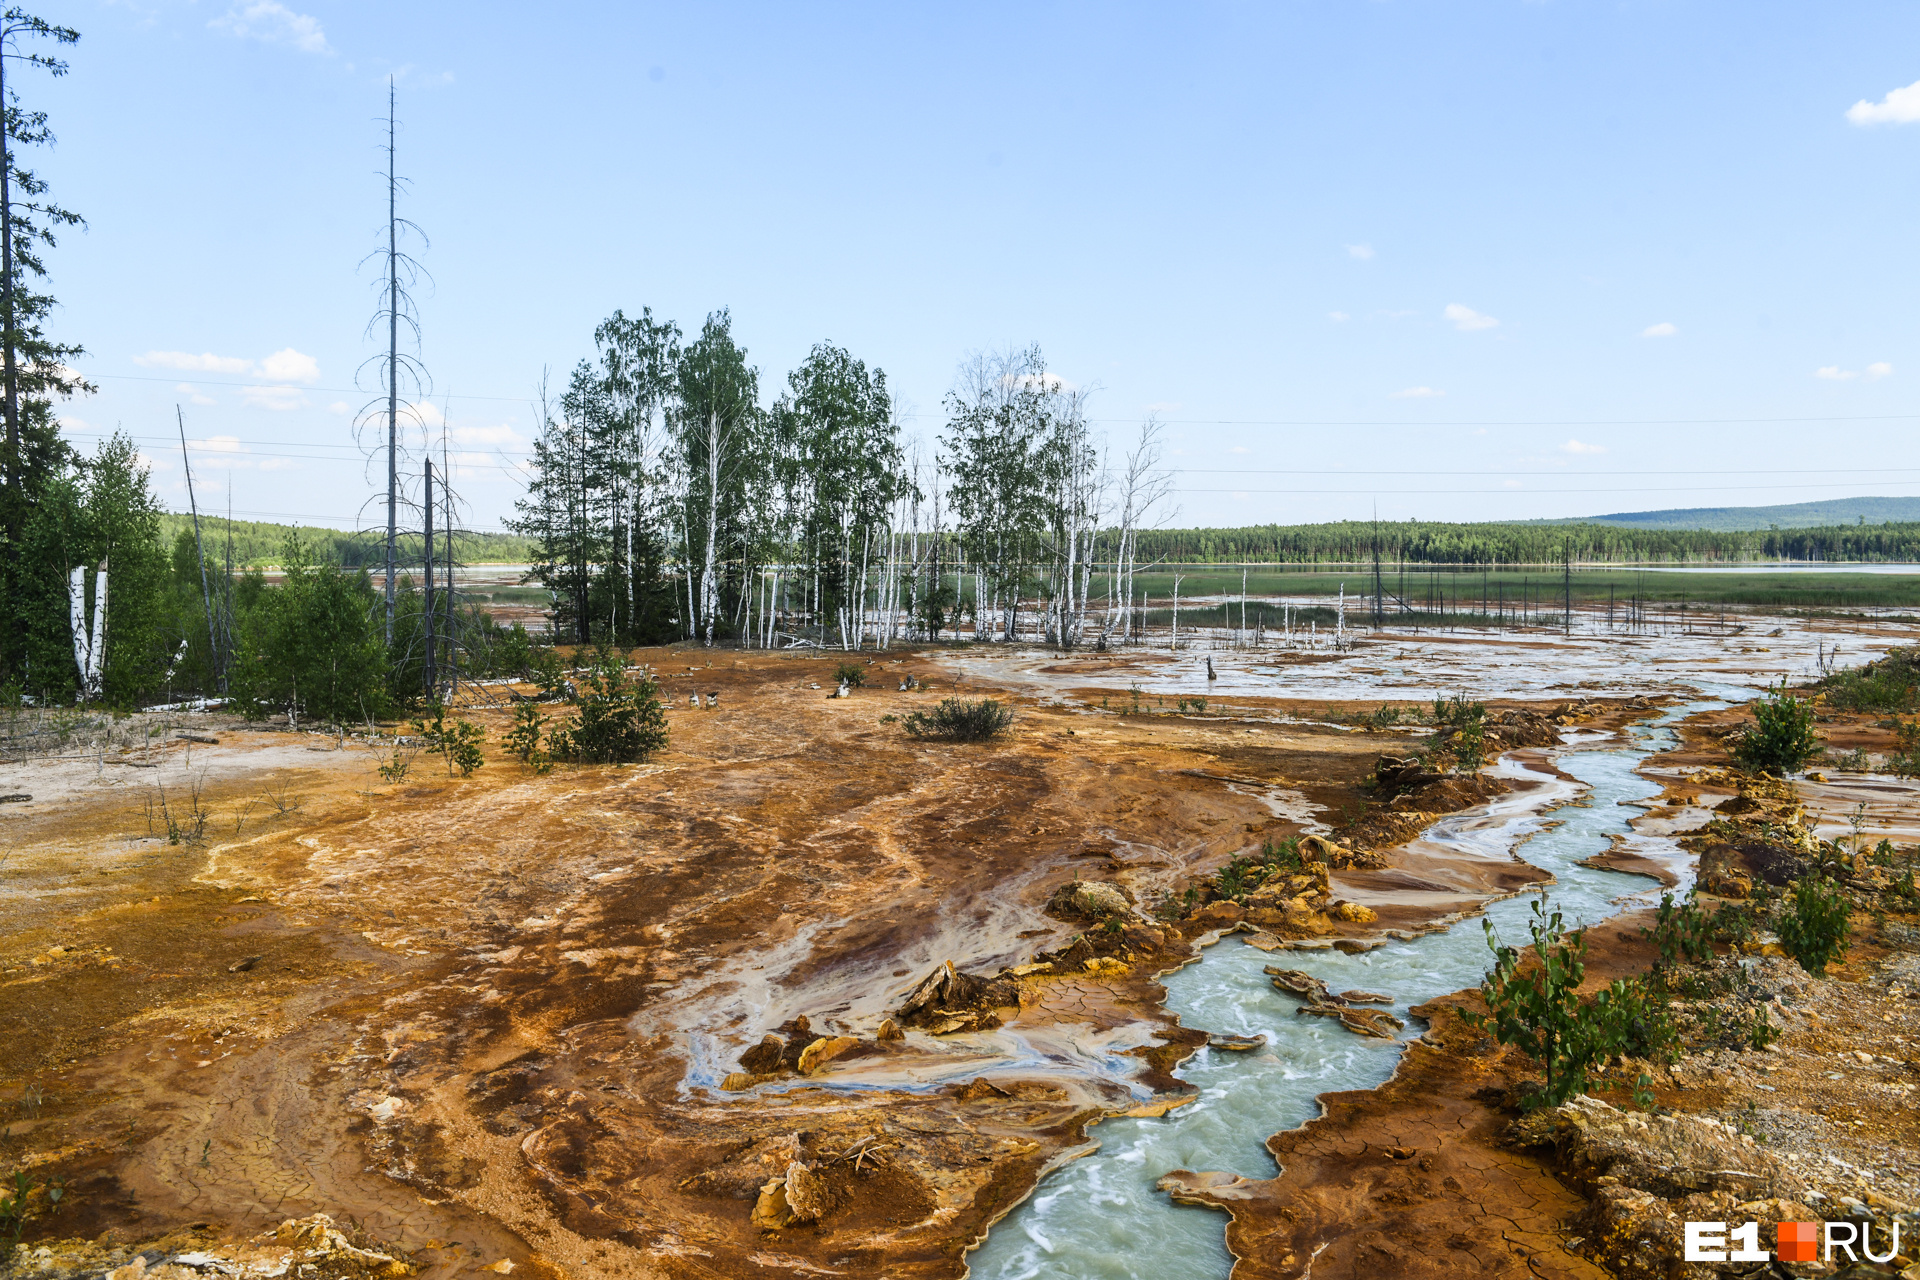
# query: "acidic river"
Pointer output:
{"type": "Point", "coordinates": [1102, 1217]}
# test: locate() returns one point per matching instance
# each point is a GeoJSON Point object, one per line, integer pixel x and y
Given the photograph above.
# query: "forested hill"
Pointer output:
{"type": "Point", "coordinates": [258, 542]}
{"type": "Point", "coordinates": [1828, 514]}
{"type": "Point", "coordinates": [1432, 542]}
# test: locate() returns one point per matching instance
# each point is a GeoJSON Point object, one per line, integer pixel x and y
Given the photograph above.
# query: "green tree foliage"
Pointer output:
{"type": "Point", "coordinates": [313, 645]}
{"type": "Point", "coordinates": [838, 470]}
{"type": "Point", "coordinates": [1782, 737]}
{"type": "Point", "coordinates": [1812, 923]}
{"type": "Point", "coordinates": [616, 719]}
{"type": "Point", "coordinates": [721, 456]}
{"type": "Point", "coordinates": [100, 511]}
{"type": "Point", "coordinates": [596, 510]}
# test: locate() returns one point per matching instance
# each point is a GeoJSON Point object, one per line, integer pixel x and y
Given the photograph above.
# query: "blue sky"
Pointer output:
{"type": "Point", "coordinates": [1464, 260]}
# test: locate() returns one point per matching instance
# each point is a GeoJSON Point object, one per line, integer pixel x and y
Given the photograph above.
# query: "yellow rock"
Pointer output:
{"type": "Point", "coordinates": [737, 1080]}
{"type": "Point", "coordinates": [821, 1052]}
{"type": "Point", "coordinates": [1106, 967]}
{"type": "Point", "coordinates": [1354, 913]}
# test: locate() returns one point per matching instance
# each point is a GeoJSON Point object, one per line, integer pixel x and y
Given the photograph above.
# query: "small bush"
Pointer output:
{"type": "Point", "coordinates": [1681, 932]}
{"type": "Point", "coordinates": [544, 669]}
{"type": "Point", "coordinates": [458, 742]}
{"type": "Point", "coordinates": [616, 720]}
{"type": "Point", "coordinates": [1625, 1017]}
{"type": "Point", "coordinates": [1782, 737]}
{"type": "Point", "coordinates": [1813, 924]}
{"type": "Point", "coordinates": [523, 740]}
{"type": "Point", "coordinates": [1532, 1006]}
{"type": "Point", "coordinates": [851, 674]}
{"type": "Point", "coordinates": [958, 720]}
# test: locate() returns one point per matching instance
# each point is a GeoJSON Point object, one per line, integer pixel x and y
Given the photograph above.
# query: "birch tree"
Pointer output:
{"type": "Point", "coordinates": [716, 427]}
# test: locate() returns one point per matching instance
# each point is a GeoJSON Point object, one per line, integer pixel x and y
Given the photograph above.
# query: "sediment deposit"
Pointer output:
{"type": "Point", "coordinates": [799, 995]}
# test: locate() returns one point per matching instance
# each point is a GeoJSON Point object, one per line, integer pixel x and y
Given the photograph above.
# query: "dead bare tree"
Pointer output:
{"type": "Point", "coordinates": [400, 273]}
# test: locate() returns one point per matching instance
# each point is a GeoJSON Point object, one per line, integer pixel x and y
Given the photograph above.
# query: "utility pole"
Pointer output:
{"type": "Point", "coordinates": [213, 641]}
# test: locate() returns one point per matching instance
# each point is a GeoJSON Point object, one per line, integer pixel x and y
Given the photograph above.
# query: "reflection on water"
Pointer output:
{"type": "Point", "coordinates": [1102, 1217]}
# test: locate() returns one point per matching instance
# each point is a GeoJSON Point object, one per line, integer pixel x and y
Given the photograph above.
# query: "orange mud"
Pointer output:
{"type": "Point", "coordinates": [487, 1018]}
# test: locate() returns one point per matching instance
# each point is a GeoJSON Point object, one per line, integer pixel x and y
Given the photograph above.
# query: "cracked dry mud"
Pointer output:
{"type": "Point", "coordinates": [487, 1020]}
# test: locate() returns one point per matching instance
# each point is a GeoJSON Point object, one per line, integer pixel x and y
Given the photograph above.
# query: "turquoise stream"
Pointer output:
{"type": "Point", "coordinates": [1102, 1217]}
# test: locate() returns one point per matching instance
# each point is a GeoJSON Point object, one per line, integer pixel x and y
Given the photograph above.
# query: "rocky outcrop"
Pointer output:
{"type": "Point", "coordinates": [1090, 900]}
{"type": "Point", "coordinates": [1646, 1176]}
{"type": "Point", "coordinates": [1322, 1003]}
{"type": "Point", "coordinates": [947, 1000]}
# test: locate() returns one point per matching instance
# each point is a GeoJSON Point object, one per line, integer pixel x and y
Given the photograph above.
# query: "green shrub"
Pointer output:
{"type": "Point", "coordinates": [1813, 923]}
{"type": "Point", "coordinates": [545, 670]}
{"type": "Point", "coordinates": [523, 740]}
{"type": "Point", "coordinates": [1532, 1006]}
{"type": "Point", "coordinates": [851, 673]}
{"type": "Point", "coordinates": [1782, 737]}
{"type": "Point", "coordinates": [958, 720]}
{"type": "Point", "coordinates": [1681, 932]}
{"type": "Point", "coordinates": [458, 742]}
{"type": "Point", "coordinates": [1626, 1017]}
{"type": "Point", "coordinates": [616, 719]}
{"type": "Point", "coordinates": [1887, 684]}
{"type": "Point", "coordinates": [1464, 724]}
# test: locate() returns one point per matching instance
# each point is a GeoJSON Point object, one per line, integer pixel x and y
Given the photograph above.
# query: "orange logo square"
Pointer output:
{"type": "Point", "coordinates": [1797, 1241]}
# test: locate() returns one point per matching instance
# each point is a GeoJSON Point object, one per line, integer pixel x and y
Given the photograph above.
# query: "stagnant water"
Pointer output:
{"type": "Point", "coordinates": [1102, 1217]}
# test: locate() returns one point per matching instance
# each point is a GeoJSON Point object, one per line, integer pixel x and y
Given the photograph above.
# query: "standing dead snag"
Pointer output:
{"type": "Point", "coordinates": [89, 648]}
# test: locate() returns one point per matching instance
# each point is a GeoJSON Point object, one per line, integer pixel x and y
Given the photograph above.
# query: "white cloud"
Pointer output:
{"type": "Point", "coordinates": [1879, 369]}
{"type": "Point", "coordinates": [1417, 393]}
{"type": "Point", "coordinates": [1042, 382]}
{"type": "Point", "coordinates": [70, 423]}
{"type": "Point", "coordinates": [1161, 406]}
{"type": "Point", "coordinates": [278, 399]}
{"type": "Point", "coordinates": [192, 393]}
{"type": "Point", "coordinates": [1576, 446]}
{"type": "Point", "coordinates": [339, 406]}
{"type": "Point", "coordinates": [1900, 106]}
{"type": "Point", "coordinates": [1834, 373]}
{"type": "Point", "coordinates": [1467, 320]}
{"type": "Point", "coordinates": [218, 444]}
{"type": "Point", "coordinates": [1364, 252]}
{"type": "Point", "coordinates": [1662, 330]}
{"type": "Point", "coordinates": [1338, 316]}
{"type": "Point", "coordinates": [1239, 448]}
{"type": "Point", "coordinates": [190, 363]}
{"type": "Point", "coordinates": [273, 23]}
{"type": "Point", "coordinates": [288, 365]}
{"type": "Point", "coordinates": [500, 435]}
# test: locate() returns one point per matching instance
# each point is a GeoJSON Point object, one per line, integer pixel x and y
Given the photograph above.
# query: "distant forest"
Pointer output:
{"type": "Point", "coordinates": [1434, 542]}
{"type": "Point", "coordinates": [258, 543]}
